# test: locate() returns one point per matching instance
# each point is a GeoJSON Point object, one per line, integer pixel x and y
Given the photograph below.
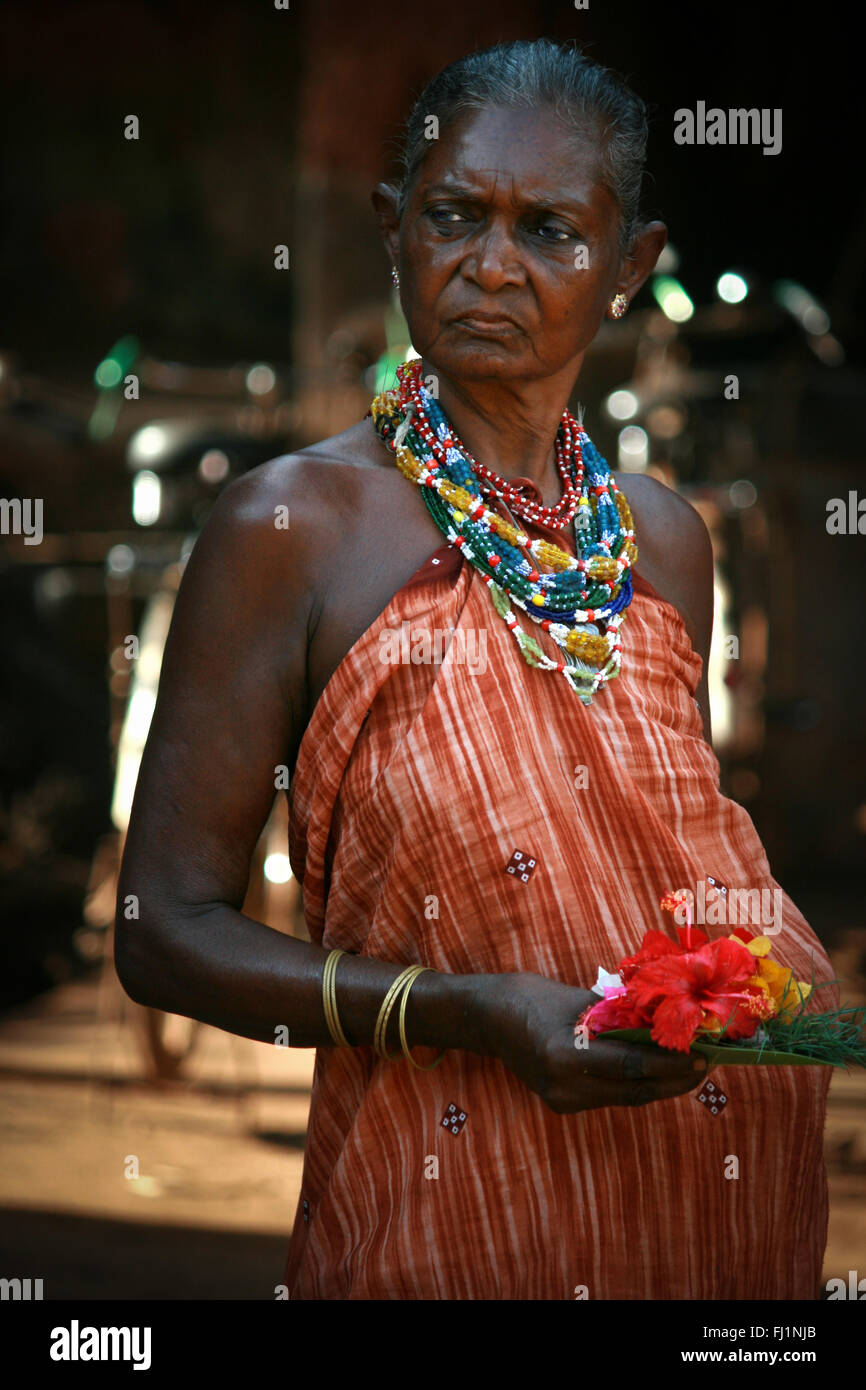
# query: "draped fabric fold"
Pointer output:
{"type": "Point", "coordinates": [466, 811]}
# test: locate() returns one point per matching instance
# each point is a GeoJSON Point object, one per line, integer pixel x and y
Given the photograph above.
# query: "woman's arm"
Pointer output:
{"type": "Point", "coordinates": [676, 556]}
{"type": "Point", "coordinates": [231, 709]}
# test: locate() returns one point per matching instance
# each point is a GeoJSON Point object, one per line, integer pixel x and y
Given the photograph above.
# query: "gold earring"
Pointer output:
{"type": "Point", "coordinates": [395, 277]}
{"type": "Point", "coordinates": [618, 305]}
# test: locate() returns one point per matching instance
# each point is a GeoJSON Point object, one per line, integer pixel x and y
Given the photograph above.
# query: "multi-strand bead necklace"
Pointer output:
{"type": "Point", "coordinates": [582, 603]}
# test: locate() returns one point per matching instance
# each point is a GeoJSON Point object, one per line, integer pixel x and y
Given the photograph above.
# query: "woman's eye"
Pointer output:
{"type": "Point", "coordinates": [554, 233]}
{"type": "Point", "coordinates": [550, 232]}
{"type": "Point", "coordinates": [444, 215]}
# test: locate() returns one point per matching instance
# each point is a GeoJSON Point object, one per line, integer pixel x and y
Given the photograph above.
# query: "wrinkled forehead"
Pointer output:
{"type": "Point", "coordinates": [518, 154]}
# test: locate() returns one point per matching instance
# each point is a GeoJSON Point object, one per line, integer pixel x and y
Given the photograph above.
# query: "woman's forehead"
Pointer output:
{"type": "Point", "coordinates": [525, 155]}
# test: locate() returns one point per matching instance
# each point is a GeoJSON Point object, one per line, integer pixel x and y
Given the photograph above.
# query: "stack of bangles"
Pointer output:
{"type": "Point", "coordinates": [399, 988]}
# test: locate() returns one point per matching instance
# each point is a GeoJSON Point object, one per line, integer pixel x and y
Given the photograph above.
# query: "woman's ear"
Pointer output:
{"type": "Point", "coordinates": [384, 199]}
{"type": "Point", "coordinates": [640, 259]}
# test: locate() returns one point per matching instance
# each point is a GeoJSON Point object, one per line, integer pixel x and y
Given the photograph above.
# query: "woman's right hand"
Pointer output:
{"type": "Point", "coordinates": [527, 1021]}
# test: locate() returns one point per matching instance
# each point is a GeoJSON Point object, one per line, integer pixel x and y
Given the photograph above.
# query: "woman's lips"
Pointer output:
{"type": "Point", "coordinates": [486, 328]}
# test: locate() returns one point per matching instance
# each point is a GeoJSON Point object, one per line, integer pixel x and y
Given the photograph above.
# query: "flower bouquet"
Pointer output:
{"type": "Point", "coordinates": [725, 999]}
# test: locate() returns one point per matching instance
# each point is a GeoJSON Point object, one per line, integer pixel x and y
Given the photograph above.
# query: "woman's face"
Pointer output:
{"type": "Point", "coordinates": [508, 217]}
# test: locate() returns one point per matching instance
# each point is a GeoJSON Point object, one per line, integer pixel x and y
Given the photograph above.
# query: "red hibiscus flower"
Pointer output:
{"type": "Point", "coordinates": [656, 945]}
{"type": "Point", "coordinates": [617, 1010]}
{"type": "Point", "coordinates": [688, 990]}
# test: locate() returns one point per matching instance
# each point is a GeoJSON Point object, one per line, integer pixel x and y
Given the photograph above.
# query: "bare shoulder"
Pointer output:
{"type": "Point", "coordinates": [358, 447]}
{"type": "Point", "coordinates": [663, 518]}
{"type": "Point", "coordinates": [280, 533]}
{"type": "Point", "coordinates": [675, 552]}
{"type": "Point", "coordinates": [296, 495]}
{"type": "Point", "coordinates": [310, 476]}
{"type": "Point", "coordinates": [262, 501]}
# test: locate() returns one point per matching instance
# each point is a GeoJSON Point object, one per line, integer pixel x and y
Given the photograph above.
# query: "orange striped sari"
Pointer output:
{"type": "Point", "coordinates": [415, 784]}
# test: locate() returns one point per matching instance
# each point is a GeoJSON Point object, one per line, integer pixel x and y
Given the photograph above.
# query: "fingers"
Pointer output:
{"type": "Point", "coordinates": [592, 1093]}
{"type": "Point", "coordinates": [629, 1074]}
{"type": "Point", "coordinates": [619, 1061]}
{"type": "Point", "coordinates": [642, 1092]}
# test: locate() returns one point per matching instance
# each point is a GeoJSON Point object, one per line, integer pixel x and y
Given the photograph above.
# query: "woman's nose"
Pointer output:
{"type": "Point", "coordinates": [494, 259]}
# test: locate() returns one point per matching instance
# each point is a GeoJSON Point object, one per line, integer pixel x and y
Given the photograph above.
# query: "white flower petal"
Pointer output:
{"type": "Point", "coordinates": [605, 980]}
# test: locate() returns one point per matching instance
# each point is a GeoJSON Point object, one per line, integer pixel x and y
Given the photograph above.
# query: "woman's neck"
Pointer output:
{"type": "Point", "coordinates": [510, 428]}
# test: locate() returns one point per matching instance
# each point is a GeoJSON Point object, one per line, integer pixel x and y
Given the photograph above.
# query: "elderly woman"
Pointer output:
{"type": "Point", "coordinates": [497, 812]}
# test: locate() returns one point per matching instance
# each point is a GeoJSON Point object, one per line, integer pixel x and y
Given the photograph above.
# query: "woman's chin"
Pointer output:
{"type": "Point", "coordinates": [479, 357]}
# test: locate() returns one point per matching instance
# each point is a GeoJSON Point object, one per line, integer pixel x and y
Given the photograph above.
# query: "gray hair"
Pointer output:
{"type": "Point", "coordinates": [534, 74]}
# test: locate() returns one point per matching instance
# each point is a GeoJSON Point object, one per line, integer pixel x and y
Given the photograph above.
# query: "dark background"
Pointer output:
{"type": "Point", "coordinates": [165, 236]}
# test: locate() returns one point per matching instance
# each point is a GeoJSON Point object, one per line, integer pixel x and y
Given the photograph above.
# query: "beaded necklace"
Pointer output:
{"type": "Point", "coordinates": [582, 603]}
{"type": "Point", "coordinates": [566, 448]}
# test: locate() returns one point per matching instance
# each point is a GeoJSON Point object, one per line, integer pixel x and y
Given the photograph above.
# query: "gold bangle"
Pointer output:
{"type": "Point", "coordinates": [329, 998]}
{"type": "Point", "coordinates": [332, 999]}
{"type": "Point", "coordinates": [381, 1030]}
{"type": "Point", "coordinates": [419, 970]}
{"type": "Point", "coordinates": [330, 962]}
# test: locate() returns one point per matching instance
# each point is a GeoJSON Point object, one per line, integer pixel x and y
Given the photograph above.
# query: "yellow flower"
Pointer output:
{"type": "Point", "coordinates": [778, 980]}
{"type": "Point", "coordinates": [783, 994]}
{"type": "Point", "coordinates": [756, 945]}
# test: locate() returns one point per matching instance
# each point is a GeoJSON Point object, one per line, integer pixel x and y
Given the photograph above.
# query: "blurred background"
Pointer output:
{"type": "Point", "coordinates": [152, 350]}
